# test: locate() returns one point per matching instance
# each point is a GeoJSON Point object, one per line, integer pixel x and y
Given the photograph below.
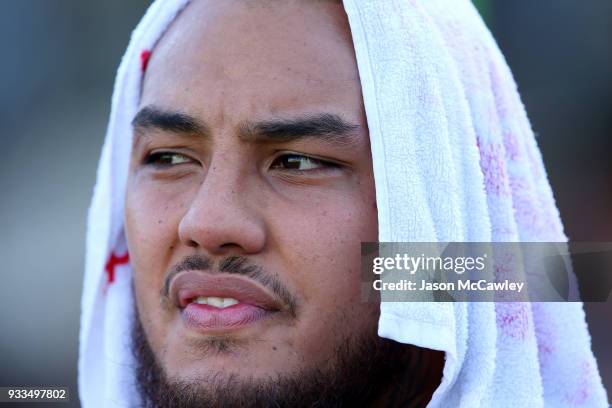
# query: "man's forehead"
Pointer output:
{"type": "Point", "coordinates": [253, 60]}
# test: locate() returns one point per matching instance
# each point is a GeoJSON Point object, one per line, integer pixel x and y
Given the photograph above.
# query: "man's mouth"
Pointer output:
{"type": "Point", "coordinates": [215, 303]}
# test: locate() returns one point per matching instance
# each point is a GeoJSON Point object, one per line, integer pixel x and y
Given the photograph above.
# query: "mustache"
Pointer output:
{"type": "Point", "coordinates": [239, 265]}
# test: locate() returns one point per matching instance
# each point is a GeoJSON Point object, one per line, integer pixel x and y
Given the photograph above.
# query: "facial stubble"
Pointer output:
{"type": "Point", "coordinates": [366, 369]}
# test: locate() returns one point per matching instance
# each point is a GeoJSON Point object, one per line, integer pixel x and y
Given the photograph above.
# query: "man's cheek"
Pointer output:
{"type": "Point", "coordinates": [149, 242]}
{"type": "Point", "coordinates": [151, 220]}
{"type": "Point", "coordinates": [326, 328]}
{"type": "Point", "coordinates": [153, 317]}
{"type": "Point", "coordinates": [325, 257]}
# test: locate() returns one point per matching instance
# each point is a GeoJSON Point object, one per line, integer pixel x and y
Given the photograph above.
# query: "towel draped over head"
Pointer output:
{"type": "Point", "coordinates": [455, 160]}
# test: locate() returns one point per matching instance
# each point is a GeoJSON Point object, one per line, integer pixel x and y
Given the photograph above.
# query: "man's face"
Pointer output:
{"type": "Point", "coordinates": [251, 181]}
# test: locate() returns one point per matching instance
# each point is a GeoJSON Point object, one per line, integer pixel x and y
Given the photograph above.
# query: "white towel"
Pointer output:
{"type": "Point", "coordinates": [454, 159]}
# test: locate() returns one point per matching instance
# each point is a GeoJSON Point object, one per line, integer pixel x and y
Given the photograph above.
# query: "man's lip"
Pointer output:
{"type": "Point", "coordinates": [189, 285]}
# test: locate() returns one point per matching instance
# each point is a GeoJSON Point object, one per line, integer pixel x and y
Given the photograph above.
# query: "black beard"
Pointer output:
{"type": "Point", "coordinates": [368, 370]}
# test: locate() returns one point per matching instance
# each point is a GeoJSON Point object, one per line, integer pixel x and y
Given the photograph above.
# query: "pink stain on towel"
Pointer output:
{"type": "Point", "coordinates": [546, 334]}
{"type": "Point", "coordinates": [511, 145]}
{"type": "Point", "coordinates": [493, 166]}
{"type": "Point", "coordinates": [581, 393]}
{"type": "Point", "coordinates": [513, 319]}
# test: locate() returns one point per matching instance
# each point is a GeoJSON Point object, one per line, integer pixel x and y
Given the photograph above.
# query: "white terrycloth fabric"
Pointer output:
{"type": "Point", "coordinates": [454, 160]}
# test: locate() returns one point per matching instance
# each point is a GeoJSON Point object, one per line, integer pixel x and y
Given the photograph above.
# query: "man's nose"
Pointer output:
{"type": "Point", "coordinates": [222, 217]}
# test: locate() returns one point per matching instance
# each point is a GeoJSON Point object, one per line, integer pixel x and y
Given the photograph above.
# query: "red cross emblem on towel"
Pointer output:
{"type": "Point", "coordinates": [144, 60]}
{"type": "Point", "coordinates": [113, 261]}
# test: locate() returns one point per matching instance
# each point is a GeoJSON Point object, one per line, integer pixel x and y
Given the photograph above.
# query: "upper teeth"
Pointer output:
{"type": "Point", "coordinates": [215, 301]}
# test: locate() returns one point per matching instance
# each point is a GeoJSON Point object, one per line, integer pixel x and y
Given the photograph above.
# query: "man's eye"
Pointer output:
{"type": "Point", "coordinates": [299, 163]}
{"type": "Point", "coordinates": [166, 159]}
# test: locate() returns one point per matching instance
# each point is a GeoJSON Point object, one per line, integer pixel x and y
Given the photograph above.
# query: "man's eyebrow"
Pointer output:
{"type": "Point", "coordinates": [153, 117]}
{"type": "Point", "coordinates": [328, 127]}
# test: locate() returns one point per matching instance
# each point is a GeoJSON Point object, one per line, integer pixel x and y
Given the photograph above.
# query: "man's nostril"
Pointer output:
{"type": "Point", "coordinates": [229, 245]}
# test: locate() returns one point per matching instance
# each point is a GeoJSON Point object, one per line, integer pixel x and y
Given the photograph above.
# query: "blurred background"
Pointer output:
{"type": "Point", "coordinates": [56, 78]}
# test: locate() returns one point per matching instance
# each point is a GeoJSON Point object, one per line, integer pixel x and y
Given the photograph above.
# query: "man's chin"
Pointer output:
{"type": "Point", "coordinates": [222, 355]}
{"type": "Point", "coordinates": [364, 367]}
